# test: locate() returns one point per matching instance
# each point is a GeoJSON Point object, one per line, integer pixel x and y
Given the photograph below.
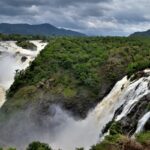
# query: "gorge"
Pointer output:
{"type": "Point", "coordinates": [48, 101]}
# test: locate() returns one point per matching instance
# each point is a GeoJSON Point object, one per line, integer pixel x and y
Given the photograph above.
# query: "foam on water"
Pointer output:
{"type": "Point", "coordinates": [142, 122]}
{"type": "Point", "coordinates": [10, 62]}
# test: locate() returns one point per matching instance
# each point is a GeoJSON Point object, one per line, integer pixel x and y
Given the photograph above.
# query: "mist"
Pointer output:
{"type": "Point", "coordinates": [59, 129]}
{"type": "Point", "coordinates": [8, 67]}
{"type": "Point", "coordinates": [11, 61]}
{"type": "Point", "coordinates": [56, 126]}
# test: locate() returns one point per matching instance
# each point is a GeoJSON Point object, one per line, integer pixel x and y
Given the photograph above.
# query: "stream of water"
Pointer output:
{"type": "Point", "coordinates": [68, 133]}
{"type": "Point", "coordinates": [11, 60]}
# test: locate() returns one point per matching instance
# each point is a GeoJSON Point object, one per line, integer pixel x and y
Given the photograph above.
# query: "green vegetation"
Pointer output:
{"type": "Point", "coordinates": [144, 137]}
{"type": "Point", "coordinates": [18, 37]}
{"type": "Point", "coordinates": [110, 143]}
{"type": "Point", "coordinates": [120, 142]}
{"type": "Point", "coordinates": [39, 29]}
{"type": "Point", "coordinates": [115, 128]}
{"type": "Point", "coordinates": [26, 45]}
{"type": "Point", "coordinates": [81, 60]}
{"type": "Point", "coordinates": [34, 146]}
{"type": "Point", "coordinates": [38, 146]}
{"type": "Point", "coordinates": [8, 149]}
{"type": "Point", "coordinates": [78, 73]}
{"type": "Point", "coordinates": [148, 107]}
{"type": "Point", "coordinates": [79, 70]}
{"type": "Point", "coordinates": [141, 34]}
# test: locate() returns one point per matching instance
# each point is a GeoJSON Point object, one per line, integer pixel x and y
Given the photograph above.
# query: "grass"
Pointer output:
{"type": "Point", "coordinates": [144, 137]}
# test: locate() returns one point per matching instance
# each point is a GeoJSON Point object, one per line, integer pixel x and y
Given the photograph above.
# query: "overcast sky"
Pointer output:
{"type": "Point", "coordinates": [93, 17]}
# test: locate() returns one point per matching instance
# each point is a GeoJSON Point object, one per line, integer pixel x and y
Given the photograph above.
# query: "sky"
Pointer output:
{"type": "Point", "coordinates": [92, 17]}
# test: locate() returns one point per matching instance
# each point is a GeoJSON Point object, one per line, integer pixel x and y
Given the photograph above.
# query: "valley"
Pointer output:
{"type": "Point", "coordinates": [94, 88]}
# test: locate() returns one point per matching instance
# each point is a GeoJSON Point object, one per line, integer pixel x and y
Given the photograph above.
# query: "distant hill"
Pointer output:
{"type": "Point", "coordinates": [41, 29]}
{"type": "Point", "coordinates": [144, 33]}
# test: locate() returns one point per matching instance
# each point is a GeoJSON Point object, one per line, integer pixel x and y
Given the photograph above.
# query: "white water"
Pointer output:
{"type": "Point", "coordinates": [2, 96]}
{"type": "Point", "coordinates": [69, 133]}
{"type": "Point", "coordinates": [83, 133]}
{"type": "Point", "coordinates": [133, 94]}
{"type": "Point", "coordinates": [142, 122]}
{"type": "Point", "coordinates": [87, 132]}
{"type": "Point", "coordinates": [10, 61]}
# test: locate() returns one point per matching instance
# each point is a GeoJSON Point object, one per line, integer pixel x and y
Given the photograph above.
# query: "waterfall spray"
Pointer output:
{"type": "Point", "coordinates": [61, 130]}
{"type": "Point", "coordinates": [142, 122]}
{"type": "Point", "coordinates": [11, 60]}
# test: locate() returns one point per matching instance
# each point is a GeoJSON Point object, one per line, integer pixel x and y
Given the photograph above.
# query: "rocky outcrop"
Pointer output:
{"type": "Point", "coordinates": [127, 117]}
{"type": "Point", "coordinates": [23, 59]}
{"type": "Point", "coordinates": [129, 123]}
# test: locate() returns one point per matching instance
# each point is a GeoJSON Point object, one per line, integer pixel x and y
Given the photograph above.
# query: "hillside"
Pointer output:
{"type": "Point", "coordinates": [143, 34]}
{"type": "Point", "coordinates": [76, 74]}
{"type": "Point", "coordinates": [80, 68]}
{"type": "Point", "coordinates": [41, 29]}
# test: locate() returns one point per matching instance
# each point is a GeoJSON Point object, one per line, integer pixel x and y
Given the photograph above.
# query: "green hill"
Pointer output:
{"type": "Point", "coordinates": [41, 29]}
{"type": "Point", "coordinates": [142, 34]}
{"type": "Point", "coordinates": [76, 73]}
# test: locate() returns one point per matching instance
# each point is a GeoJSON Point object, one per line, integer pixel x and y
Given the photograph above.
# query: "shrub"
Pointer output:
{"type": "Point", "coordinates": [144, 137]}
{"type": "Point", "coordinates": [38, 146]}
{"type": "Point", "coordinates": [26, 45]}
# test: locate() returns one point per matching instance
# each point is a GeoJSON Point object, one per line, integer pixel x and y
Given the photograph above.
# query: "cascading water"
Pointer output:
{"type": "Point", "coordinates": [134, 93]}
{"type": "Point", "coordinates": [2, 96]}
{"type": "Point", "coordinates": [62, 131]}
{"type": "Point", "coordinates": [11, 60]}
{"type": "Point", "coordinates": [66, 132]}
{"type": "Point", "coordinates": [142, 122]}
{"type": "Point", "coordinates": [124, 93]}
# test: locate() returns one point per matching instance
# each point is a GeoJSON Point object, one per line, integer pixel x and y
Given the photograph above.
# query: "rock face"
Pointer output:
{"type": "Point", "coordinates": [147, 125]}
{"type": "Point", "coordinates": [129, 123]}
{"type": "Point", "coordinates": [128, 118]}
{"type": "Point", "coordinates": [24, 58]}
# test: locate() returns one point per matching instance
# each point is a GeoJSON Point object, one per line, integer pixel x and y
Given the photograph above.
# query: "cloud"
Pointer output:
{"type": "Point", "coordinates": [96, 17]}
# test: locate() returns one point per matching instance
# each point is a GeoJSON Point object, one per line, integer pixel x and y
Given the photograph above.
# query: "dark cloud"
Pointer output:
{"type": "Point", "coordinates": [107, 17]}
{"type": "Point", "coordinates": [49, 2]}
{"type": "Point", "coordinates": [23, 3]}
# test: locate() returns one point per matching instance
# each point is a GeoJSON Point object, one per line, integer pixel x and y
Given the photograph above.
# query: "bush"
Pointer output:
{"type": "Point", "coordinates": [115, 128]}
{"type": "Point", "coordinates": [26, 45]}
{"type": "Point", "coordinates": [144, 137]}
{"type": "Point", "coordinates": [38, 146]}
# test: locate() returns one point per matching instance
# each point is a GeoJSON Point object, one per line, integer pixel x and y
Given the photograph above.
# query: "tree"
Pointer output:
{"type": "Point", "coordinates": [38, 146]}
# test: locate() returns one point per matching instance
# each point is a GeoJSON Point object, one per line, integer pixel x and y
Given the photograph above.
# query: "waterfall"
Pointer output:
{"type": "Point", "coordinates": [66, 132]}
{"type": "Point", "coordinates": [63, 131]}
{"type": "Point", "coordinates": [11, 60]}
{"type": "Point", "coordinates": [105, 110]}
{"type": "Point", "coordinates": [133, 94]}
{"type": "Point", "coordinates": [2, 96]}
{"type": "Point", "coordinates": [142, 122]}
{"type": "Point", "coordinates": [124, 93]}
{"type": "Point", "coordinates": [67, 135]}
